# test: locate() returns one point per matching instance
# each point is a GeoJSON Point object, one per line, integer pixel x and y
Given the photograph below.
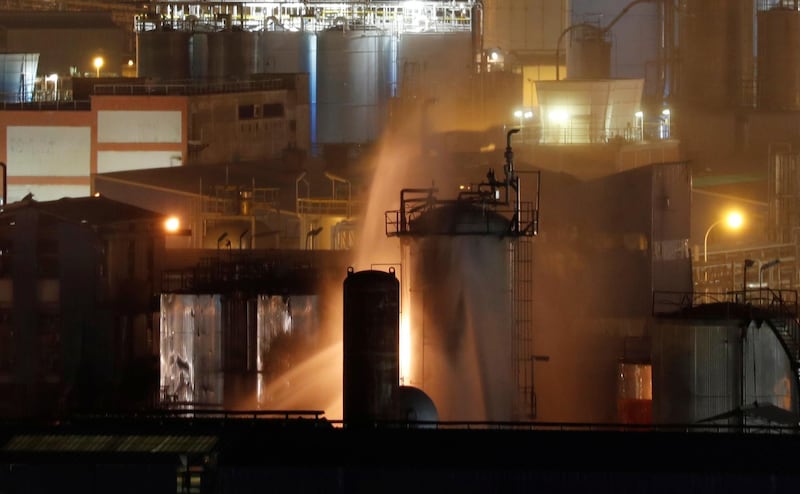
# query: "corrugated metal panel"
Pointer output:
{"type": "Point", "coordinates": [699, 367]}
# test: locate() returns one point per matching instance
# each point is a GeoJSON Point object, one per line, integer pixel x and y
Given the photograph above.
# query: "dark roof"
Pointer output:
{"type": "Point", "coordinates": [191, 179]}
{"type": "Point", "coordinates": [93, 210]}
{"type": "Point", "coordinates": [56, 20]}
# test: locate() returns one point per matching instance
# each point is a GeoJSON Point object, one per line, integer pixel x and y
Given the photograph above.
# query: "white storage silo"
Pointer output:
{"type": "Point", "coordinates": [355, 79]}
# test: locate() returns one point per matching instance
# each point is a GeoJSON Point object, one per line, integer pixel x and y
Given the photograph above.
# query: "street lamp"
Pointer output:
{"type": "Point", "coordinates": [733, 219]}
{"type": "Point", "coordinates": [98, 63]}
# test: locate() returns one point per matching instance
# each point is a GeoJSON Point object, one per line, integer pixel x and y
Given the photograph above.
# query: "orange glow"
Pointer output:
{"type": "Point", "coordinates": [405, 349]}
{"type": "Point", "coordinates": [172, 224]}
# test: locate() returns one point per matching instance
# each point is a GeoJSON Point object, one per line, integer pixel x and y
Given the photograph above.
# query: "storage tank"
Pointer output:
{"type": "Point", "coordinates": [288, 52]}
{"type": "Point", "coordinates": [371, 358]}
{"type": "Point", "coordinates": [707, 366]}
{"type": "Point", "coordinates": [588, 54]}
{"type": "Point", "coordinates": [198, 55]}
{"type": "Point", "coordinates": [634, 392]}
{"type": "Point", "coordinates": [18, 76]}
{"type": "Point", "coordinates": [233, 54]}
{"type": "Point", "coordinates": [778, 63]}
{"type": "Point", "coordinates": [292, 52]}
{"type": "Point", "coordinates": [163, 55]}
{"type": "Point", "coordinates": [718, 56]}
{"type": "Point", "coordinates": [460, 312]}
{"type": "Point", "coordinates": [355, 80]}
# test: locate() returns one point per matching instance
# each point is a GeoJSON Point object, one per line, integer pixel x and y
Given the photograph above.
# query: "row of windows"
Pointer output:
{"type": "Point", "coordinates": [266, 110]}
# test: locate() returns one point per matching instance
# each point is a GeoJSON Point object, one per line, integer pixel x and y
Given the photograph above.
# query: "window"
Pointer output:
{"type": "Point", "coordinates": [273, 110]}
{"type": "Point", "coordinates": [247, 112]}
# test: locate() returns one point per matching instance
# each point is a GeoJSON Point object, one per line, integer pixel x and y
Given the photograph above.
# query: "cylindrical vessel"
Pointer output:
{"type": "Point", "coordinates": [232, 54]}
{"type": "Point", "coordinates": [371, 357]}
{"type": "Point", "coordinates": [718, 60]}
{"type": "Point", "coordinates": [588, 54]}
{"type": "Point", "coordinates": [355, 78]}
{"type": "Point", "coordinates": [163, 55]}
{"type": "Point", "coordinates": [17, 76]}
{"type": "Point", "coordinates": [460, 312]}
{"type": "Point", "coordinates": [708, 369]}
{"type": "Point", "coordinates": [778, 62]}
{"type": "Point", "coordinates": [290, 52]}
{"type": "Point", "coordinates": [634, 392]}
{"type": "Point", "coordinates": [198, 56]}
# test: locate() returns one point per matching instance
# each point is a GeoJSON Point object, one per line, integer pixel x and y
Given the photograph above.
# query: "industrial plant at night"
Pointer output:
{"type": "Point", "coordinates": [540, 246]}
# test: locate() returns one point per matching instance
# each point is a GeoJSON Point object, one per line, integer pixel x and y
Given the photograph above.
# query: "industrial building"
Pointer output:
{"type": "Point", "coordinates": [478, 216]}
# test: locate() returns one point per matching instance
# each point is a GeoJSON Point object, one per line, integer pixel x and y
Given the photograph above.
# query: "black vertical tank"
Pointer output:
{"type": "Point", "coordinates": [371, 367]}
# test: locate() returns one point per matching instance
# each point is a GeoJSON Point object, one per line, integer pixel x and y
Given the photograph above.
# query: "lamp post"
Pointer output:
{"type": "Point", "coordinates": [733, 220]}
{"type": "Point", "coordinates": [98, 64]}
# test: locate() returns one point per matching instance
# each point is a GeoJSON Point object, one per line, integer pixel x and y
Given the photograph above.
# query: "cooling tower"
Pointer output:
{"type": "Point", "coordinates": [371, 358]}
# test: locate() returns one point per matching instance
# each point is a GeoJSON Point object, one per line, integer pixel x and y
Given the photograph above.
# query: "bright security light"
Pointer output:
{"type": "Point", "coordinates": [734, 220]}
{"type": "Point", "coordinates": [172, 224]}
{"type": "Point", "coordinates": [98, 64]}
{"type": "Point", "coordinates": [559, 116]}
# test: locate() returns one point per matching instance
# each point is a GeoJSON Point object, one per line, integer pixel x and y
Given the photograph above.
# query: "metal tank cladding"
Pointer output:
{"type": "Point", "coordinates": [356, 76]}
{"type": "Point", "coordinates": [459, 298]}
{"type": "Point", "coordinates": [371, 355]}
{"type": "Point", "coordinates": [288, 52]}
{"type": "Point", "coordinates": [164, 54]}
{"type": "Point", "coordinates": [589, 54]}
{"type": "Point", "coordinates": [716, 55]}
{"type": "Point", "coordinates": [233, 54]}
{"type": "Point", "coordinates": [778, 62]}
{"type": "Point", "coordinates": [17, 76]}
{"type": "Point", "coordinates": [710, 366]}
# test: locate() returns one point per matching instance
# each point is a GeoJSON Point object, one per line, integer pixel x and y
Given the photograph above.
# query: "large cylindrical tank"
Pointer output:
{"type": "Point", "coordinates": [778, 63]}
{"type": "Point", "coordinates": [18, 76]}
{"type": "Point", "coordinates": [588, 54]}
{"type": "Point", "coordinates": [198, 56]}
{"type": "Point", "coordinates": [459, 301]}
{"type": "Point", "coordinates": [163, 55]}
{"type": "Point", "coordinates": [233, 54]}
{"type": "Point", "coordinates": [371, 355]}
{"type": "Point", "coordinates": [288, 52]}
{"type": "Point", "coordinates": [716, 56]}
{"type": "Point", "coordinates": [292, 52]}
{"type": "Point", "coordinates": [706, 368]}
{"type": "Point", "coordinates": [355, 79]}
